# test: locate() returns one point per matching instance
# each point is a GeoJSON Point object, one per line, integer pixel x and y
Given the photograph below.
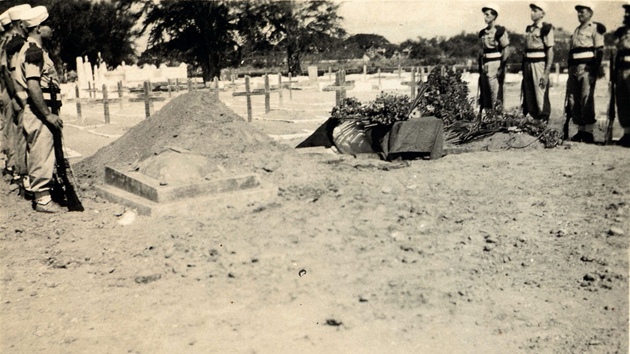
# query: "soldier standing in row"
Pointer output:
{"type": "Point", "coordinates": [17, 140]}
{"type": "Point", "coordinates": [585, 58]}
{"type": "Point", "coordinates": [622, 78]}
{"type": "Point", "coordinates": [494, 41]}
{"type": "Point", "coordinates": [5, 101]}
{"type": "Point", "coordinates": [539, 42]}
{"type": "Point", "coordinates": [36, 77]}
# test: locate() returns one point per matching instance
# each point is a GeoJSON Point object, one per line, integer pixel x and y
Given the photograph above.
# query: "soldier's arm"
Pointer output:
{"type": "Point", "coordinates": [504, 43]}
{"type": "Point", "coordinates": [37, 103]}
{"type": "Point", "coordinates": [598, 43]}
{"type": "Point", "coordinates": [549, 42]}
{"type": "Point", "coordinates": [33, 64]}
{"type": "Point", "coordinates": [549, 62]}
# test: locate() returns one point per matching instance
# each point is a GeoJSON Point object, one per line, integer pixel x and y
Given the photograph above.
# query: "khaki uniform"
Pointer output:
{"type": "Point", "coordinates": [622, 79]}
{"type": "Point", "coordinates": [493, 41]}
{"type": "Point", "coordinates": [5, 102]}
{"type": "Point", "coordinates": [16, 138]}
{"type": "Point", "coordinates": [538, 39]}
{"type": "Point", "coordinates": [34, 62]}
{"type": "Point", "coordinates": [585, 41]}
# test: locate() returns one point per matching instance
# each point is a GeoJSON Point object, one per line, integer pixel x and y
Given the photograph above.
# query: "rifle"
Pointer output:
{"type": "Point", "coordinates": [481, 99]}
{"type": "Point", "coordinates": [64, 171]}
{"type": "Point", "coordinates": [611, 104]}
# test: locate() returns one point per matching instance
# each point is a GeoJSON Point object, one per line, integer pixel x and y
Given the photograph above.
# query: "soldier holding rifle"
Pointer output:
{"type": "Point", "coordinates": [36, 77]}
{"type": "Point", "coordinates": [585, 58]}
{"type": "Point", "coordinates": [494, 41]}
{"type": "Point", "coordinates": [16, 151]}
{"type": "Point", "coordinates": [621, 77]}
{"type": "Point", "coordinates": [537, 61]}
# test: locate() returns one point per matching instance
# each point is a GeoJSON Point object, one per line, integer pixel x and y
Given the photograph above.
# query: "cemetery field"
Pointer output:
{"type": "Point", "coordinates": [495, 251]}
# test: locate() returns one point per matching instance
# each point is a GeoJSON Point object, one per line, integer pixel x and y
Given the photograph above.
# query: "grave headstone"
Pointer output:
{"type": "Point", "coordinates": [312, 73]}
{"type": "Point", "coordinates": [81, 72]}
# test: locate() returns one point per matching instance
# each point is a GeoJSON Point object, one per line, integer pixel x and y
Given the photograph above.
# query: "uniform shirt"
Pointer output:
{"type": "Point", "coordinates": [535, 40]}
{"type": "Point", "coordinates": [13, 47]}
{"type": "Point", "coordinates": [3, 62]}
{"type": "Point", "coordinates": [33, 62]}
{"type": "Point", "coordinates": [3, 53]}
{"type": "Point", "coordinates": [489, 41]}
{"type": "Point", "coordinates": [587, 36]}
{"type": "Point", "coordinates": [622, 35]}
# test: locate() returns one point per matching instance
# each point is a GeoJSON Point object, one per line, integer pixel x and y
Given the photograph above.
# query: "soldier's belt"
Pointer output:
{"type": "Point", "coordinates": [51, 89]}
{"type": "Point", "coordinates": [490, 56]}
{"type": "Point", "coordinates": [581, 56]}
{"type": "Point", "coordinates": [535, 55]}
{"type": "Point", "coordinates": [585, 55]}
{"type": "Point", "coordinates": [46, 92]}
{"type": "Point", "coordinates": [624, 62]}
{"type": "Point", "coordinates": [24, 96]}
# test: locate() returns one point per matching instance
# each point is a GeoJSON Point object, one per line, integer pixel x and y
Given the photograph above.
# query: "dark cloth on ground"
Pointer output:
{"type": "Point", "coordinates": [416, 137]}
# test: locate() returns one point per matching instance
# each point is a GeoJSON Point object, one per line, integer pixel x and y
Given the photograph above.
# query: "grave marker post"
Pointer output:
{"type": "Point", "coordinates": [280, 89]}
{"type": "Point", "coordinates": [106, 105]}
{"type": "Point", "coordinates": [290, 92]}
{"type": "Point", "coordinates": [215, 87]}
{"type": "Point", "coordinates": [76, 93]}
{"type": "Point", "coordinates": [267, 95]}
{"type": "Point", "coordinates": [147, 100]}
{"type": "Point", "coordinates": [249, 99]}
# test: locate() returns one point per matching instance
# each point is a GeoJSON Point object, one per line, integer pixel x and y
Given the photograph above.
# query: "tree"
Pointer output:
{"type": "Point", "coordinates": [426, 50]}
{"type": "Point", "coordinates": [201, 33]}
{"type": "Point", "coordinates": [84, 27]}
{"type": "Point", "coordinates": [461, 46]}
{"type": "Point", "coordinates": [299, 26]}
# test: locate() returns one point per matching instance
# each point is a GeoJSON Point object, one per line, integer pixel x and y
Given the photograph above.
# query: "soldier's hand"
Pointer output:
{"type": "Point", "coordinates": [543, 81]}
{"type": "Point", "coordinates": [16, 106]}
{"type": "Point", "coordinates": [54, 121]}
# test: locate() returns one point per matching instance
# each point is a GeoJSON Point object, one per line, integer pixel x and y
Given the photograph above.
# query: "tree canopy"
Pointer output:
{"type": "Point", "coordinates": [212, 35]}
{"type": "Point", "coordinates": [198, 32]}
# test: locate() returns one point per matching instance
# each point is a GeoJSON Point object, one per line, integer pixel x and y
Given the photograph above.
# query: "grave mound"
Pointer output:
{"type": "Point", "coordinates": [195, 122]}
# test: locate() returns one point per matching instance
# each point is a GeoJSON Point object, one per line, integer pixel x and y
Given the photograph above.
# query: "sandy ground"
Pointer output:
{"type": "Point", "coordinates": [497, 251]}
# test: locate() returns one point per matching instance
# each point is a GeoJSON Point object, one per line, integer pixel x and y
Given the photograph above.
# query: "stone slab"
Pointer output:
{"type": "Point", "coordinates": [151, 189]}
{"type": "Point", "coordinates": [312, 73]}
{"type": "Point", "coordinates": [202, 204]}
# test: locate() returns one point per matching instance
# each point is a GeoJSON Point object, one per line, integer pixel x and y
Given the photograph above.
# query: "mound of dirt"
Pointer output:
{"type": "Point", "coordinates": [202, 125]}
{"type": "Point", "coordinates": [194, 122]}
{"type": "Point", "coordinates": [502, 141]}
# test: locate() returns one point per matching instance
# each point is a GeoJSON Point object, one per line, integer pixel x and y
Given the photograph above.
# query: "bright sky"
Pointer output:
{"type": "Point", "coordinates": [398, 20]}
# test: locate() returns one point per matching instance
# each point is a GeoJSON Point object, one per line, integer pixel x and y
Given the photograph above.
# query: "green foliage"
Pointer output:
{"type": "Point", "coordinates": [504, 121]}
{"type": "Point", "coordinates": [295, 27]}
{"type": "Point", "coordinates": [198, 32]}
{"type": "Point", "coordinates": [386, 109]}
{"type": "Point", "coordinates": [446, 97]}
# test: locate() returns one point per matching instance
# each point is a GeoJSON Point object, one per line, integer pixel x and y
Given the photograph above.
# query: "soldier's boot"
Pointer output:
{"type": "Point", "coordinates": [624, 141]}
{"type": "Point", "coordinates": [578, 138]}
{"type": "Point", "coordinates": [588, 138]}
{"type": "Point", "coordinates": [45, 204]}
